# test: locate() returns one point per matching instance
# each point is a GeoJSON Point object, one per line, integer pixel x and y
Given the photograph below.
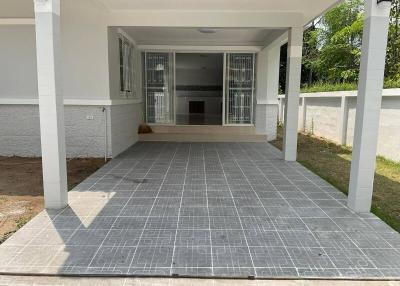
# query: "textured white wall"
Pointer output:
{"type": "Point", "coordinates": [323, 116]}
{"type": "Point", "coordinates": [20, 134]}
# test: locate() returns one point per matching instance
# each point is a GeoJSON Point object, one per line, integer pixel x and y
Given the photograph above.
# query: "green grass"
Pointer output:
{"type": "Point", "coordinates": [345, 86]}
{"type": "Point", "coordinates": [325, 87]}
{"type": "Point", "coordinates": [332, 162]}
{"type": "Point", "coordinates": [390, 83]}
{"type": "Point", "coordinates": [20, 223]}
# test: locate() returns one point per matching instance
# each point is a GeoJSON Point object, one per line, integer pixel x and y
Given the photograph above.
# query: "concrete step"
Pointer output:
{"type": "Point", "coordinates": [204, 129]}
{"type": "Point", "coordinates": [201, 137]}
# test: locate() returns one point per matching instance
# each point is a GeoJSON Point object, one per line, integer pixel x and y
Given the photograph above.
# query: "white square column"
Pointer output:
{"type": "Point", "coordinates": [293, 77]}
{"type": "Point", "coordinates": [369, 99]}
{"type": "Point", "coordinates": [51, 108]}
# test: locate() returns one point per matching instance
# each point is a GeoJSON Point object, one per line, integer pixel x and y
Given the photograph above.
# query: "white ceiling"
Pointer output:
{"type": "Point", "coordinates": [192, 36]}
{"type": "Point", "coordinates": [309, 8]}
{"type": "Point", "coordinates": [232, 5]}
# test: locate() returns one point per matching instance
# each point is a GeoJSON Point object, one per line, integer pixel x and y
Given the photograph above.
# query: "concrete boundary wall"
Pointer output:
{"type": "Point", "coordinates": [332, 115]}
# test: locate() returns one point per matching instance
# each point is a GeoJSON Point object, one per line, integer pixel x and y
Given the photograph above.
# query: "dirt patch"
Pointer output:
{"type": "Point", "coordinates": [21, 187]}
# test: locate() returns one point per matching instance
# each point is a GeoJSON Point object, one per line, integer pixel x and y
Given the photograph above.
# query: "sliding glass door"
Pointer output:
{"type": "Point", "coordinates": [239, 88]}
{"type": "Point", "coordinates": [158, 85]}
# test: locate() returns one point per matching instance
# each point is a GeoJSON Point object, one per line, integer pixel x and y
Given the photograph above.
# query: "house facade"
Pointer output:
{"type": "Point", "coordinates": [82, 75]}
{"type": "Point", "coordinates": [124, 63]}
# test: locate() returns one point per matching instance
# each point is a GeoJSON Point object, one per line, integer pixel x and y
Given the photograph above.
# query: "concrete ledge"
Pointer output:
{"type": "Point", "coordinates": [198, 137]}
{"type": "Point", "coordinates": [86, 102]}
{"type": "Point", "coordinates": [203, 129]}
{"type": "Point", "coordinates": [348, 93]}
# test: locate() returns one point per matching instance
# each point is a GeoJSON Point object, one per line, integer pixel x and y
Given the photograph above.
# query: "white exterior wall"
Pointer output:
{"type": "Point", "coordinates": [323, 118]}
{"type": "Point", "coordinates": [85, 50]}
{"type": "Point", "coordinates": [85, 137]}
{"type": "Point", "coordinates": [125, 120]}
{"type": "Point", "coordinates": [267, 86]}
{"type": "Point", "coordinates": [20, 134]}
{"type": "Point", "coordinates": [84, 55]}
{"type": "Point", "coordinates": [18, 76]}
{"type": "Point", "coordinates": [90, 76]}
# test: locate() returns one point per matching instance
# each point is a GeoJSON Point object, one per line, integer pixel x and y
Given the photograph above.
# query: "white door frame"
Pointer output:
{"type": "Point", "coordinates": [204, 50]}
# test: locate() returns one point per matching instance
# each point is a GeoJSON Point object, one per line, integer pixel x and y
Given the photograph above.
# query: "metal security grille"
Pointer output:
{"type": "Point", "coordinates": [158, 87]}
{"type": "Point", "coordinates": [239, 88]}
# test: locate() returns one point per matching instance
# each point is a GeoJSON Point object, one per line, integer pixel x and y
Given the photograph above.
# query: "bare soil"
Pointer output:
{"type": "Point", "coordinates": [21, 188]}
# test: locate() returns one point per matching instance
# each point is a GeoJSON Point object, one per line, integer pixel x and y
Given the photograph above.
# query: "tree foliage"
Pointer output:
{"type": "Point", "coordinates": [332, 45]}
{"type": "Point", "coordinates": [336, 39]}
{"type": "Point", "coordinates": [392, 70]}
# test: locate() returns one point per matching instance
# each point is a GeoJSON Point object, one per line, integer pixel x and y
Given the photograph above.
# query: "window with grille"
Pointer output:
{"type": "Point", "coordinates": [126, 64]}
{"type": "Point", "coordinates": [240, 82]}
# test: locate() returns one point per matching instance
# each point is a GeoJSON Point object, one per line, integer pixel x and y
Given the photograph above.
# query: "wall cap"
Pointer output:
{"type": "Point", "coordinates": [95, 102]}
{"type": "Point", "coordinates": [350, 93]}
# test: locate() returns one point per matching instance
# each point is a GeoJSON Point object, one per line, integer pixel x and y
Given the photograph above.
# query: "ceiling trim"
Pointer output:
{"type": "Point", "coordinates": [200, 49]}
{"type": "Point", "coordinates": [17, 21]}
{"type": "Point", "coordinates": [198, 19]}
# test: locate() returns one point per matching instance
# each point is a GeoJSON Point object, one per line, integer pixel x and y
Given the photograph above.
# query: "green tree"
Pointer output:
{"type": "Point", "coordinates": [332, 47]}
{"type": "Point", "coordinates": [339, 37]}
{"type": "Point", "coordinates": [392, 70]}
{"type": "Point", "coordinates": [310, 53]}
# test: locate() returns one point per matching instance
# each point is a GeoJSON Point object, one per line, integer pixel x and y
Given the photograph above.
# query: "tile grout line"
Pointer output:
{"type": "Point", "coordinates": [328, 217]}
{"type": "Point", "coordinates": [147, 219]}
{"type": "Point", "coordinates": [280, 237]}
{"type": "Point", "coordinates": [237, 212]}
{"type": "Point", "coordinates": [128, 199]}
{"type": "Point", "coordinates": [209, 219]}
{"type": "Point", "coordinates": [52, 219]}
{"type": "Point", "coordinates": [179, 213]}
{"type": "Point", "coordinates": [301, 219]}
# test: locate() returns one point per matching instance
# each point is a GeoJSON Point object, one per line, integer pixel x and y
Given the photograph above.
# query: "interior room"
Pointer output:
{"type": "Point", "coordinates": [199, 87]}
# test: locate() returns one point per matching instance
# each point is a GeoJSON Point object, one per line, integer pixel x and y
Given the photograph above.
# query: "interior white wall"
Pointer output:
{"type": "Point", "coordinates": [197, 76]}
{"type": "Point", "coordinates": [196, 70]}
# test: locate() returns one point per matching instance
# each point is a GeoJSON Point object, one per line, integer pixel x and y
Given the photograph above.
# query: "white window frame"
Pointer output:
{"type": "Point", "coordinates": [127, 64]}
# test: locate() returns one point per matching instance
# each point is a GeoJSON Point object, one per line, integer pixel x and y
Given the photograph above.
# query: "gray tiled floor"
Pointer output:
{"type": "Point", "coordinates": [205, 209]}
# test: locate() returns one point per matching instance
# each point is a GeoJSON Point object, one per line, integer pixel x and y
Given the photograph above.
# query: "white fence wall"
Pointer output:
{"type": "Point", "coordinates": [332, 115]}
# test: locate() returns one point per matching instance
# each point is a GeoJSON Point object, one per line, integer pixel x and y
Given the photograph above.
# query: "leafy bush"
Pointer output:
{"type": "Point", "coordinates": [325, 87]}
